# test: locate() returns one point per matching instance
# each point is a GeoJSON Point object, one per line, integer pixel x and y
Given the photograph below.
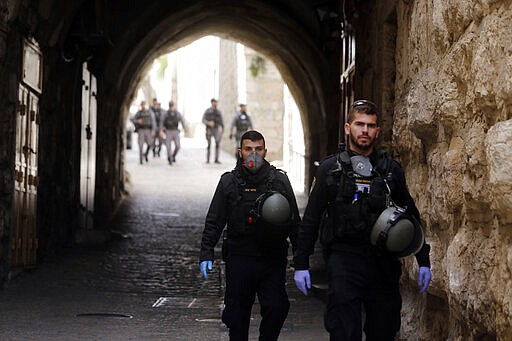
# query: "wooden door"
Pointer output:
{"type": "Point", "coordinates": [24, 240]}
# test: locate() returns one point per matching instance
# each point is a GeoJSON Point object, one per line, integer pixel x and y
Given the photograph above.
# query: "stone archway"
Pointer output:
{"type": "Point", "coordinates": [301, 63]}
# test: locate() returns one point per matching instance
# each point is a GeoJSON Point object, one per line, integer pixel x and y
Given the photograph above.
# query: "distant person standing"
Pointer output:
{"type": "Point", "coordinates": [241, 123]}
{"type": "Point", "coordinates": [169, 126]}
{"type": "Point", "coordinates": [212, 118]}
{"type": "Point", "coordinates": [145, 125]}
{"type": "Point", "coordinates": [157, 112]}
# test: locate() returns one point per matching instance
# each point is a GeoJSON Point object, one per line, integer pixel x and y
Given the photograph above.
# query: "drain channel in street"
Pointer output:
{"type": "Point", "coordinates": [104, 315]}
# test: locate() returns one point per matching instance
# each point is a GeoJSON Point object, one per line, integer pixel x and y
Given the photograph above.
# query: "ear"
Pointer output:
{"type": "Point", "coordinates": [239, 152]}
{"type": "Point", "coordinates": [347, 129]}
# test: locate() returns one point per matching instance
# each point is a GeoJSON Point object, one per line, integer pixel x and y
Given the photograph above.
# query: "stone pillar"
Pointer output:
{"type": "Point", "coordinates": [265, 101]}
{"type": "Point", "coordinates": [228, 89]}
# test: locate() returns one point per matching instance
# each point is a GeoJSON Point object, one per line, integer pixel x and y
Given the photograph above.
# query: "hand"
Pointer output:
{"type": "Point", "coordinates": [302, 280]}
{"type": "Point", "coordinates": [424, 277]}
{"type": "Point", "coordinates": [206, 264]}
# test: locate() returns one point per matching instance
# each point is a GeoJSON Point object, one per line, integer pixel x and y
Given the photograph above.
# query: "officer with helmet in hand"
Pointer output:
{"type": "Point", "coordinates": [365, 218]}
{"type": "Point", "coordinates": [256, 203]}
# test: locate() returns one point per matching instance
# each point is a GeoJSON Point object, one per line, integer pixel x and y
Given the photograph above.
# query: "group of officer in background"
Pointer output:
{"type": "Point", "coordinates": [156, 126]}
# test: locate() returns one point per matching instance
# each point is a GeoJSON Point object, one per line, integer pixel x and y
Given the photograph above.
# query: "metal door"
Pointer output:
{"type": "Point", "coordinates": [24, 240]}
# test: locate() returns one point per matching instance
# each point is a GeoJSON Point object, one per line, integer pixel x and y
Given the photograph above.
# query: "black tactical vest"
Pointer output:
{"type": "Point", "coordinates": [354, 202]}
{"type": "Point", "coordinates": [146, 119]}
{"type": "Point", "coordinates": [243, 219]}
{"type": "Point", "coordinates": [212, 114]}
{"type": "Point", "coordinates": [171, 120]}
{"type": "Point", "coordinates": [242, 122]}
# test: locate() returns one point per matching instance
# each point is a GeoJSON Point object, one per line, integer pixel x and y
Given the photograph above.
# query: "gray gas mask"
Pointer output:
{"type": "Point", "coordinates": [361, 165]}
{"type": "Point", "coordinates": [253, 162]}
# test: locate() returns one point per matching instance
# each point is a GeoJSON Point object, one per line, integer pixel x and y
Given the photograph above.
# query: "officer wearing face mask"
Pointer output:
{"type": "Point", "coordinates": [256, 203]}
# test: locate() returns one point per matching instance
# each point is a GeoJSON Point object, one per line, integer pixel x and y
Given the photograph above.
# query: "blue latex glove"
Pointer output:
{"type": "Point", "coordinates": [205, 264]}
{"type": "Point", "coordinates": [302, 280]}
{"type": "Point", "coordinates": [424, 277]}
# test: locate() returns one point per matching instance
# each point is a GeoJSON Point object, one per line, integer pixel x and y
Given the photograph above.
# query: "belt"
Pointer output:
{"type": "Point", "coordinates": [364, 250]}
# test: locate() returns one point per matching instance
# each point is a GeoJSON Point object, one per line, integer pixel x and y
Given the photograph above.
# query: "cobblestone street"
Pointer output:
{"type": "Point", "coordinates": [144, 284]}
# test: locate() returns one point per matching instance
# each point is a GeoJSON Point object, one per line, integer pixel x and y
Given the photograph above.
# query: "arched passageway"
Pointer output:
{"type": "Point", "coordinates": [302, 63]}
{"type": "Point", "coordinates": [444, 86]}
{"type": "Point", "coordinates": [103, 48]}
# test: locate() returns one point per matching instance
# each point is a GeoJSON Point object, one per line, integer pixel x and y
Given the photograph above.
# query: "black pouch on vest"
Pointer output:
{"type": "Point", "coordinates": [347, 188]}
{"type": "Point", "coordinates": [378, 191]}
{"type": "Point", "coordinates": [326, 234]}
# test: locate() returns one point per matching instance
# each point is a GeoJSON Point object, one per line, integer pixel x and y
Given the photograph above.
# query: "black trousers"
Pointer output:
{"type": "Point", "coordinates": [216, 134]}
{"type": "Point", "coordinates": [246, 277]}
{"type": "Point", "coordinates": [369, 282]}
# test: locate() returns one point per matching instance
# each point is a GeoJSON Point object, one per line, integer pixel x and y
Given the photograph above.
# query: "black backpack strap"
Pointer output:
{"type": "Point", "coordinates": [383, 164]}
{"type": "Point", "coordinates": [271, 177]}
{"type": "Point", "coordinates": [239, 183]}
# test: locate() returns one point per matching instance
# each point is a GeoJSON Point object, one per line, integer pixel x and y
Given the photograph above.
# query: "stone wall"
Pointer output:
{"type": "Point", "coordinates": [453, 133]}
{"type": "Point", "coordinates": [265, 101]}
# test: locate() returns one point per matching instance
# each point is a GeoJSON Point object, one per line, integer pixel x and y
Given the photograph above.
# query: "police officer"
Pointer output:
{"type": "Point", "coordinates": [157, 113]}
{"type": "Point", "coordinates": [145, 125]}
{"type": "Point", "coordinates": [212, 118]}
{"type": "Point", "coordinates": [169, 126]}
{"type": "Point", "coordinates": [241, 123]}
{"type": "Point", "coordinates": [346, 199]}
{"type": "Point", "coordinates": [255, 248]}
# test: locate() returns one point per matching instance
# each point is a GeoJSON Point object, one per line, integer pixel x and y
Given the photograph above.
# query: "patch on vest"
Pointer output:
{"type": "Point", "coordinates": [361, 165]}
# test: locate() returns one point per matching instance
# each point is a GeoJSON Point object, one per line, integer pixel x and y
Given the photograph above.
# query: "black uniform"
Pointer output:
{"type": "Point", "coordinates": [157, 142]}
{"type": "Point", "coordinates": [242, 123]}
{"type": "Point", "coordinates": [342, 208]}
{"type": "Point", "coordinates": [255, 251]}
{"type": "Point", "coordinates": [213, 114]}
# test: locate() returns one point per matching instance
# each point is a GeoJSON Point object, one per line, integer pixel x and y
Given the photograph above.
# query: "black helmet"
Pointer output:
{"type": "Point", "coordinates": [398, 233]}
{"type": "Point", "coordinates": [274, 208]}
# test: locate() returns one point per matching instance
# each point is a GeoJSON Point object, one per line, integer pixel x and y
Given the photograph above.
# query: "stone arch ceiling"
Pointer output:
{"type": "Point", "coordinates": [261, 27]}
{"type": "Point", "coordinates": [120, 39]}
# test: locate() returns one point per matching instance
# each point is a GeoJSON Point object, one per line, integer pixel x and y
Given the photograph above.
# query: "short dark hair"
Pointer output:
{"type": "Point", "coordinates": [252, 135]}
{"type": "Point", "coordinates": [364, 106]}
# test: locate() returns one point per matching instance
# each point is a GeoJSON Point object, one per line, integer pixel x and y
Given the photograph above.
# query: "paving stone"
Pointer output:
{"type": "Point", "coordinates": [145, 284]}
